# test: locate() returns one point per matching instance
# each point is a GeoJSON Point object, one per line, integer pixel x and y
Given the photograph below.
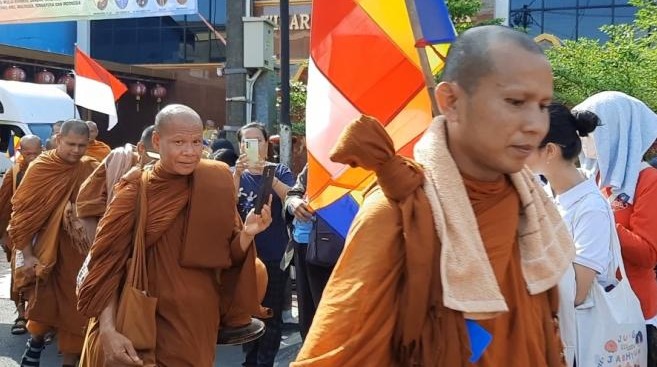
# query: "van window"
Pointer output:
{"type": "Point", "coordinates": [5, 135]}
{"type": "Point", "coordinates": [43, 131]}
{"type": "Point", "coordinates": [2, 108]}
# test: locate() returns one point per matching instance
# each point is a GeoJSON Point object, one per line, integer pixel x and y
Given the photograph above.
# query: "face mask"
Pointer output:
{"type": "Point", "coordinates": [588, 148]}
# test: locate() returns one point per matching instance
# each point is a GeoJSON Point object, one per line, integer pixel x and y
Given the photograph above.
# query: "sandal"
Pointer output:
{"type": "Point", "coordinates": [19, 327]}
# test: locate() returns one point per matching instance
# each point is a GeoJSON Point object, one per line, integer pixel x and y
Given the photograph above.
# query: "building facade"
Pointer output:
{"type": "Point", "coordinates": [569, 19]}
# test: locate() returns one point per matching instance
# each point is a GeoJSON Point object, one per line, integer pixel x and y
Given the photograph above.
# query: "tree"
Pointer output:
{"type": "Point", "coordinates": [462, 13]}
{"type": "Point", "coordinates": [625, 63]}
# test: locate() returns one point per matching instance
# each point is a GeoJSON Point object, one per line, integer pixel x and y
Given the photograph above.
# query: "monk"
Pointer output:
{"type": "Point", "coordinates": [49, 249]}
{"type": "Point", "coordinates": [463, 246]}
{"type": "Point", "coordinates": [97, 190]}
{"type": "Point", "coordinates": [97, 149]}
{"type": "Point", "coordinates": [96, 193]}
{"type": "Point", "coordinates": [200, 257]}
{"type": "Point", "coordinates": [30, 148]}
{"type": "Point", "coordinates": [56, 128]}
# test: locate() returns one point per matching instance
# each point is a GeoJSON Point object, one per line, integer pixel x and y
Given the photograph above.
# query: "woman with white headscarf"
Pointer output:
{"type": "Point", "coordinates": [614, 155]}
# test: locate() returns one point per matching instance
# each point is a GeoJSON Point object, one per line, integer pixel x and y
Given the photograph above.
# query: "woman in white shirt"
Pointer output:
{"type": "Point", "coordinates": [585, 211]}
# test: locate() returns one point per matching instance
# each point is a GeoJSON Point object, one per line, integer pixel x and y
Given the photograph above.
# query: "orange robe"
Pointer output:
{"type": "Point", "coordinates": [51, 303]}
{"type": "Point", "coordinates": [357, 318]}
{"type": "Point", "coordinates": [98, 150]}
{"type": "Point", "coordinates": [7, 190]}
{"type": "Point", "coordinates": [194, 259]}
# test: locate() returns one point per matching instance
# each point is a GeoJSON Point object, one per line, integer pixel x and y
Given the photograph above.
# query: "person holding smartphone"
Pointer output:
{"type": "Point", "coordinates": [270, 244]}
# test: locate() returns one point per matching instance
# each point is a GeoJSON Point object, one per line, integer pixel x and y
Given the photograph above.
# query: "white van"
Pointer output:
{"type": "Point", "coordinates": [28, 108]}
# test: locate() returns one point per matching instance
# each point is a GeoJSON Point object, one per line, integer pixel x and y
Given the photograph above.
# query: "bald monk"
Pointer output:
{"type": "Point", "coordinates": [47, 247]}
{"type": "Point", "coordinates": [198, 251]}
{"type": "Point", "coordinates": [97, 149]}
{"type": "Point", "coordinates": [30, 148]}
{"type": "Point", "coordinates": [56, 128]}
{"type": "Point", "coordinates": [465, 245]}
{"type": "Point", "coordinates": [96, 192]}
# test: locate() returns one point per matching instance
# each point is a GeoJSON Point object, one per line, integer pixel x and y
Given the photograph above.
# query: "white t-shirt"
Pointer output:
{"type": "Point", "coordinates": [589, 219]}
{"type": "Point", "coordinates": [588, 216]}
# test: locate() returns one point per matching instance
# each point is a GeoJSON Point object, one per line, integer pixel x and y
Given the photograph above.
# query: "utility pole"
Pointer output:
{"type": "Point", "coordinates": [285, 126]}
{"type": "Point", "coordinates": [234, 72]}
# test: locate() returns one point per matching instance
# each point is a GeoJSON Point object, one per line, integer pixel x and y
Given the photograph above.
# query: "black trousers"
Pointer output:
{"type": "Point", "coordinates": [311, 280]}
{"type": "Point", "coordinates": [262, 352]}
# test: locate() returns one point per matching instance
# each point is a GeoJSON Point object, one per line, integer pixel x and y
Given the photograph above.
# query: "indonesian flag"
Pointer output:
{"type": "Point", "coordinates": [96, 88]}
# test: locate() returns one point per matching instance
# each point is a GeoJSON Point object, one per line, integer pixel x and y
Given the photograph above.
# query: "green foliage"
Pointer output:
{"type": "Point", "coordinates": [462, 12]}
{"type": "Point", "coordinates": [626, 62]}
{"type": "Point", "coordinates": [298, 94]}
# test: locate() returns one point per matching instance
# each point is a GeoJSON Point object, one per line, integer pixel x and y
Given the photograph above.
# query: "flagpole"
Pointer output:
{"type": "Point", "coordinates": [424, 59]}
{"type": "Point", "coordinates": [75, 61]}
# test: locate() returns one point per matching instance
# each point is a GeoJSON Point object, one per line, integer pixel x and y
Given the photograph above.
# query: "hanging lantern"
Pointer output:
{"type": "Point", "coordinates": [15, 73]}
{"type": "Point", "coordinates": [45, 77]}
{"type": "Point", "coordinates": [138, 89]}
{"type": "Point", "coordinates": [69, 81]}
{"type": "Point", "coordinates": [159, 92]}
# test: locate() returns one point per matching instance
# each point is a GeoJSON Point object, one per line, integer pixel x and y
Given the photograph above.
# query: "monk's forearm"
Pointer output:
{"type": "Point", "coordinates": [107, 318]}
{"type": "Point", "coordinates": [237, 177]}
{"type": "Point", "coordinates": [246, 241]}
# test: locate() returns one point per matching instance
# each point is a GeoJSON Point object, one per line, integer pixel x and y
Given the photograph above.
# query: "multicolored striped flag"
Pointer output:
{"type": "Point", "coordinates": [363, 60]}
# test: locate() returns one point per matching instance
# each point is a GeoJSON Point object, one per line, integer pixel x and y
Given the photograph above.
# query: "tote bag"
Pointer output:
{"type": "Point", "coordinates": [611, 330]}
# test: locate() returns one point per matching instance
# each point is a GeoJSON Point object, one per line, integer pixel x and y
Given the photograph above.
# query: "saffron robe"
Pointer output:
{"type": "Point", "coordinates": [356, 319]}
{"type": "Point", "coordinates": [188, 287]}
{"type": "Point", "coordinates": [10, 182]}
{"type": "Point", "coordinates": [98, 150]}
{"type": "Point", "coordinates": [44, 188]}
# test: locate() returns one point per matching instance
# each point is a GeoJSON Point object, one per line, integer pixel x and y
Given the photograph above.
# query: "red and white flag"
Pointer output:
{"type": "Point", "coordinates": [96, 88]}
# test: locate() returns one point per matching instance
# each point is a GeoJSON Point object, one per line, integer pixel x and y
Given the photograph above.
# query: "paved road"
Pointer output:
{"type": "Point", "coordinates": [11, 347]}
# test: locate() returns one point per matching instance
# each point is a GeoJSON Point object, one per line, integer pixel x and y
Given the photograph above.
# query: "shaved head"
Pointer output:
{"type": "Point", "coordinates": [178, 138]}
{"type": "Point", "coordinates": [93, 130]}
{"type": "Point", "coordinates": [147, 137]}
{"type": "Point", "coordinates": [30, 147]}
{"type": "Point", "coordinates": [30, 140]}
{"type": "Point", "coordinates": [469, 57]}
{"type": "Point", "coordinates": [177, 112]}
{"type": "Point", "coordinates": [57, 126]}
{"type": "Point", "coordinates": [75, 126]}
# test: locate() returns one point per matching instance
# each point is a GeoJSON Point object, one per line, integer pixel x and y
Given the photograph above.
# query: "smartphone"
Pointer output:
{"type": "Point", "coordinates": [252, 150]}
{"type": "Point", "coordinates": [265, 188]}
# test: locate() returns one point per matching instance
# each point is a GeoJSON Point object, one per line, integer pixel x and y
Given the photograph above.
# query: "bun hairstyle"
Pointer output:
{"type": "Point", "coordinates": [585, 122]}
{"type": "Point", "coordinates": [567, 127]}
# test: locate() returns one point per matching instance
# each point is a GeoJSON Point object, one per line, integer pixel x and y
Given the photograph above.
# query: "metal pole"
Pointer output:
{"type": "Point", "coordinates": [285, 126]}
{"type": "Point", "coordinates": [424, 59]}
{"type": "Point", "coordinates": [235, 73]}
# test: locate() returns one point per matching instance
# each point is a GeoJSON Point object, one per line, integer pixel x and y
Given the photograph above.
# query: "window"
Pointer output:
{"type": "Point", "coordinates": [590, 21]}
{"type": "Point", "coordinates": [569, 19]}
{"type": "Point", "coordinates": [561, 23]}
{"type": "Point", "coordinates": [5, 135]}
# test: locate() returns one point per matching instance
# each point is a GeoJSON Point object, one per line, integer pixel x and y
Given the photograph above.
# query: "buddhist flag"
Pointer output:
{"type": "Point", "coordinates": [364, 60]}
{"type": "Point", "coordinates": [96, 88]}
{"type": "Point", "coordinates": [13, 146]}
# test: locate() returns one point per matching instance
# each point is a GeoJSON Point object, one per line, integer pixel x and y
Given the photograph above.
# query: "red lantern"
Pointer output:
{"type": "Point", "coordinates": [69, 81]}
{"type": "Point", "coordinates": [15, 73]}
{"type": "Point", "coordinates": [45, 77]}
{"type": "Point", "coordinates": [138, 89]}
{"type": "Point", "coordinates": [159, 92]}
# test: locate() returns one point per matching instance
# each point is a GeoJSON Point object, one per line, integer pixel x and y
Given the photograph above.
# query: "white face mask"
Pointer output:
{"type": "Point", "coordinates": [588, 148]}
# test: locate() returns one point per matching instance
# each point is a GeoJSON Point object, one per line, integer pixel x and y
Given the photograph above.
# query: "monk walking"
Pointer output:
{"type": "Point", "coordinates": [30, 148]}
{"type": "Point", "coordinates": [49, 249]}
{"type": "Point", "coordinates": [97, 149]}
{"type": "Point", "coordinates": [455, 262]}
{"type": "Point", "coordinates": [199, 255]}
{"type": "Point", "coordinates": [97, 190]}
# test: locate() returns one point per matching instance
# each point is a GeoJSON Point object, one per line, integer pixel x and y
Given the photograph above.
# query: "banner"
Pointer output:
{"type": "Point", "coordinates": [26, 11]}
